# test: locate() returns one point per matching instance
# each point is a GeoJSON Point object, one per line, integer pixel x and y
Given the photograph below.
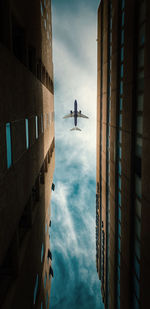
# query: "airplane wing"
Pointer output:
{"type": "Point", "coordinates": [69, 115]}
{"type": "Point", "coordinates": [81, 115]}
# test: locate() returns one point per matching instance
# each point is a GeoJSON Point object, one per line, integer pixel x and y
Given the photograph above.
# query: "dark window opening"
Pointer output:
{"type": "Point", "coordinates": [25, 221]}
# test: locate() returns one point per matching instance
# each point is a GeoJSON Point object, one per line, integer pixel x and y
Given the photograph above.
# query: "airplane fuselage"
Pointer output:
{"type": "Point", "coordinates": [75, 112]}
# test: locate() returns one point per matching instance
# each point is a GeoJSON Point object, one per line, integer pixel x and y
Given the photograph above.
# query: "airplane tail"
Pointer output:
{"type": "Point", "coordinates": [75, 128]}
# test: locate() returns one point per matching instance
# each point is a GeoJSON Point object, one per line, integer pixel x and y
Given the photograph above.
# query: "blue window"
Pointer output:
{"type": "Point", "coordinates": [137, 248]}
{"type": "Point", "coordinates": [119, 198]}
{"type": "Point", "coordinates": [36, 126]}
{"type": "Point", "coordinates": [8, 145]}
{"type": "Point", "coordinates": [46, 228]}
{"type": "Point", "coordinates": [121, 87]}
{"type": "Point", "coordinates": [119, 239]}
{"type": "Point", "coordinates": [41, 9]}
{"type": "Point", "coordinates": [122, 4]}
{"type": "Point", "coordinates": [120, 120]}
{"type": "Point", "coordinates": [121, 101]}
{"type": "Point", "coordinates": [118, 258]}
{"type": "Point", "coordinates": [120, 136]}
{"type": "Point", "coordinates": [120, 152]}
{"type": "Point", "coordinates": [118, 270]}
{"type": "Point", "coordinates": [111, 23]}
{"type": "Point", "coordinates": [27, 133]}
{"type": "Point", "coordinates": [122, 54]}
{"type": "Point", "coordinates": [41, 305]}
{"type": "Point", "coordinates": [122, 19]}
{"type": "Point", "coordinates": [121, 71]}
{"type": "Point", "coordinates": [136, 287]}
{"type": "Point", "coordinates": [45, 279]}
{"type": "Point", "coordinates": [119, 232]}
{"type": "Point", "coordinates": [45, 3]}
{"type": "Point", "coordinates": [137, 267]}
{"type": "Point", "coordinates": [36, 288]}
{"type": "Point", "coordinates": [122, 37]}
{"type": "Point", "coordinates": [118, 302]}
{"type": "Point", "coordinates": [136, 303]}
{"type": "Point", "coordinates": [119, 167]}
{"type": "Point", "coordinates": [119, 213]}
{"type": "Point", "coordinates": [42, 252]}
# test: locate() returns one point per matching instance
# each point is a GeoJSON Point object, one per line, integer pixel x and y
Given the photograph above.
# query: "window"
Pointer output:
{"type": "Point", "coordinates": [138, 186]}
{"type": "Point", "coordinates": [41, 305]}
{"type": "Point", "coordinates": [27, 133]}
{"type": "Point", "coordinates": [42, 252]}
{"type": "Point", "coordinates": [138, 208]}
{"type": "Point", "coordinates": [41, 9]}
{"type": "Point", "coordinates": [8, 145]}
{"type": "Point", "coordinates": [122, 54]}
{"type": "Point", "coordinates": [36, 289]}
{"type": "Point", "coordinates": [36, 126]}
{"type": "Point", "coordinates": [46, 228]}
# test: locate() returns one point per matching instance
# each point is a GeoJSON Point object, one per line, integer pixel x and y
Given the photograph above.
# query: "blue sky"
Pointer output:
{"type": "Point", "coordinates": [75, 284]}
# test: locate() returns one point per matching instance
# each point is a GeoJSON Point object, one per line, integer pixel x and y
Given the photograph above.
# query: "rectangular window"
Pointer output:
{"type": "Point", "coordinates": [122, 19]}
{"type": "Point", "coordinates": [122, 37]}
{"type": "Point", "coordinates": [121, 71]}
{"type": "Point", "coordinates": [137, 267]}
{"type": "Point", "coordinates": [36, 288]}
{"type": "Point", "coordinates": [36, 126]}
{"type": "Point", "coordinates": [41, 9]}
{"type": "Point", "coordinates": [119, 213]}
{"type": "Point", "coordinates": [121, 88]}
{"type": "Point", "coordinates": [8, 145]}
{"type": "Point", "coordinates": [27, 133]}
{"type": "Point", "coordinates": [42, 252]}
{"type": "Point", "coordinates": [122, 54]}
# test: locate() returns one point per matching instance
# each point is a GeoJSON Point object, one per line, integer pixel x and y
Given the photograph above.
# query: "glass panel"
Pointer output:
{"type": "Point", "coordinates": [8, 144]}
{"type": "Point", "coordinates": [122, 4]}
{"type": "Point", "coordinates": [121, 87]}
{"type": "Point", "coordinates": [122, 54]}
{"type": "Point", "coordinates": [122, 37]}
{"type": "Point", "coordinates": [41, 305]}
{"type": "Point", "coordinates": [137, 227]}
{"type": "Point", "coordinates": [119, 232]}
{"type": "Point", "coordinates": [36, 288]}
{"type": "Point", "coordinates": [137, 267]}
{"type": "Point", "coordinates": [140, 100]}
{"type": "Point", "coordinates": [141, 58]}
{"type": "Point", "coordinates": [119, 258]}
{"type": "Point", "coordinates": [136, 287]}
{"type": "Point", "coordinates": [119, 167]}
{"type": "Point", "coordinates": [119, 198]}
{"type": "Point", "coordinates": [41, 9]}
{"type": "Point", "coordinates": [122, 22]}
{"type": "Point", "coordinates": [120, 120]}
{"type": "Point", "coordinates": [135, 303]}
{"type": "Point", "coordinates": [138, 150]}
{"type": "Point", "coordinates": [27, 133]}
{"type": "Point", "coordinates": [139, 124]}
{"type": "Point", "coordinates": [120, 136]}
{"type": "Point", "coordinates": [119, 182]}
{"type": "Point", "coordinates": [137, 248]}
{"type": "Point", "coordinates": [119, 276]}
{"type": "Point", "coordinates": [138, 207]}
{"type": "Point", "coordinates": [140, 84]}
{"type": "Point", "coordinates": [120, 152]}
{"type": "Point", "coordinates": [42, 253]}
{"type": "Point", "coordinates": [119, 213]}
{"type": "Point", "coordinates": [138, 186]}
{"type": "Point", "coordinates": [121, 102]}
{"type": "Point", "coordinates": [121, 71]}
{"type": "Point", "coordinates": [141, 39]}
{"type": "Point", "coordinates": [36, 126]}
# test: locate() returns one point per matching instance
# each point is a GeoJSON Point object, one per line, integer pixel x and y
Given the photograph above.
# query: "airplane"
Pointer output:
{"type": "Point", "coordinates": [75, 114]}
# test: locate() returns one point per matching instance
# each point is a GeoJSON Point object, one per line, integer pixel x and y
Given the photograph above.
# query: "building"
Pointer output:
{"type": "Point", "coordinates": [27, 150]}
{"type": "Point", "coordinates": [123, 152]}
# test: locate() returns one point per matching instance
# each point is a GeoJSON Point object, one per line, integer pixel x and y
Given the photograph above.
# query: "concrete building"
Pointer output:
{"type": "Point", "coordinates": [123, 152]}
{"type": "Point", "coordinates": [27, 149]}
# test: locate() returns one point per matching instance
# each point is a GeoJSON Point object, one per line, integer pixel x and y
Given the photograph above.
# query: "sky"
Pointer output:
{"type": "Point", "coordinates": [75, 284]}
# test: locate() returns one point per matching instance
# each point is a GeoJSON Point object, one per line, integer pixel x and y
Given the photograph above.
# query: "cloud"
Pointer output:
{"type": "Point", "coordinates": [75, 284]}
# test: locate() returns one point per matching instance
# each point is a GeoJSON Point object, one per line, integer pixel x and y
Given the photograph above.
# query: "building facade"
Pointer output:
{"type": "Point", "coordinates": [123, 152]}
{"type": "Point", "coordinates": [26, 153]}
